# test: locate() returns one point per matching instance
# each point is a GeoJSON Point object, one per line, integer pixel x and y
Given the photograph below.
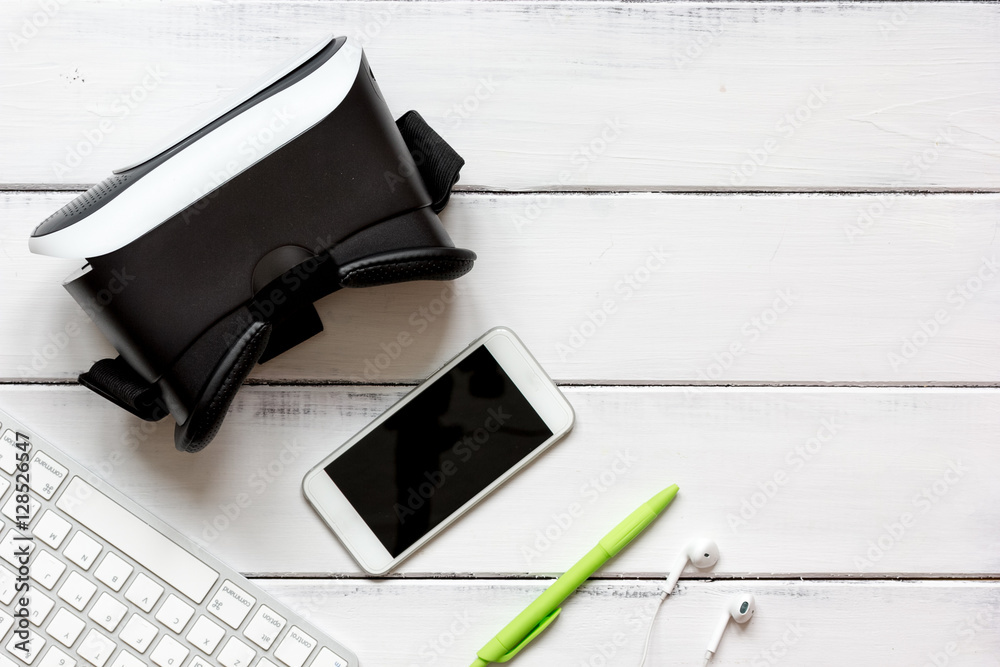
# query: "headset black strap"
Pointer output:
{"type": "Point", "coordinates": [437, 162]}
{"type": "Point", "coordinates": [118, 382]}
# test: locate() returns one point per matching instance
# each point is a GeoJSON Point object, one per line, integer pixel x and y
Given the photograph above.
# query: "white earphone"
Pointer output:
{"type": "Point", "coordinates": [703, 553]}
{"type": "Point", "coordinates": [740, 609]}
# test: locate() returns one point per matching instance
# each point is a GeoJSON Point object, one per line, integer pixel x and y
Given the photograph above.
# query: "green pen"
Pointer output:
{"type": "Point", "coordinates": [539, 614]}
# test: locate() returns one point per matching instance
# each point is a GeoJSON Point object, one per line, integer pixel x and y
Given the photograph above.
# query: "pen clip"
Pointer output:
{"type": "Point", "coordinates": [542, 624]}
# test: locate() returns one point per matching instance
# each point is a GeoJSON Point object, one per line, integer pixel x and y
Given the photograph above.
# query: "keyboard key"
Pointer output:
{"type": "Point", "coordinates": [108, 612]}
{"type": "Point", "coordinates": [8, 585]}
{"type": "Point", "coordinates": [138, 633]}
{"type": "Point", "coordinates": [46, 475]}
{"type": "Point", "coordinates": [10, 451]}
{"type": "Point", "coordinates": [15, 511]}
{"type": "Point", "coordinates": [52, 529]}
{"type": "Point", "coordinates": [137, 539]}
{"type": "Point", "coordinates": [126, 659]}
{"type": "Point", "coordinates": [65, 627]}
{"type": "Point", "coordinates": [295, 647]}
{"type": "Point", "coordinates": [231, 604]}
{"type": "Point", "coordinates": [236, 654]}
{"type": "Point", "coordinates": [113, 571]}
{"type": "Point", "coordinates": [34, 645]}
{"type": "Point", "coordinates": [82, 550]}
{"type": "Point", "coordinates": [205, 635]}
{"type": "Point", "coordinates": [264, 627]}
{"type": "Point", "coordinates": [14, 547]}
{"type": "Point", "coordinates": [96, 648]}
{"type": "Point", "coordinates": [198, 661]}
{"type": "Point", "coordinates": [46, 569]}
{"type": "Point", "coordinates": [40, 606]}
{"type": "Point", "coordinates": [264, 662]}
{"type": "Point", "coordinates": [54, 657]}
{"type": "Point", "coordinates": [4, 485]}
{"type": "Point", "coordinates": [6, 620]}
{"type": "Point", "coordinates": [77, 591]}
{"type": "Point", "coordinates": [328, 658]}
{"type": "Point", "coordinates": [144, 592]}
{"type": "Point", "coordinates": [169, 652]}
{"type": "Point", "coordinates": [174, 613]}
{"type": "Point", "coordinates": [7, 662]}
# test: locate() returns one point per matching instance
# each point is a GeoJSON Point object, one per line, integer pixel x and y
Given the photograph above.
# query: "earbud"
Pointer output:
{"type": "Point", "coordinates": [740, 609]}
{"type": "Point", "coordinates": [702, 553]}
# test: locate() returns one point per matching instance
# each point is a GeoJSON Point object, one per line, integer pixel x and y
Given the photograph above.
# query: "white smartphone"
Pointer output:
{"type": "Point", "coordinates": [438, 451]}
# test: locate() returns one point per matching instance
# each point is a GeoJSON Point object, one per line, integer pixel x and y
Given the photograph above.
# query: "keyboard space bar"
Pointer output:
{"type": "Point", "coordinates": [137, 539]}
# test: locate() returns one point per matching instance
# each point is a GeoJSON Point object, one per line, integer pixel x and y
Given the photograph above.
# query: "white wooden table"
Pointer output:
{"type": "Point", "coordinates": [806, 198]}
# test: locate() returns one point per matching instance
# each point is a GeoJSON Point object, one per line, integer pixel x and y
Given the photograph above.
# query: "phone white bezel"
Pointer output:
{"type": "Point", "coordinates": [345, 521]}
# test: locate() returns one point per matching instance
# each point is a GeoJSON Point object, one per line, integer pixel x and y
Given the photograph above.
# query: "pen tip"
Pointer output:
{"type": "Point", "coordinates": [664, 497]}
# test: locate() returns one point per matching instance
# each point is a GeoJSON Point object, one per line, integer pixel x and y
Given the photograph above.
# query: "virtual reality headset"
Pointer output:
{"type": "Point", "coordinates": [205, 258]}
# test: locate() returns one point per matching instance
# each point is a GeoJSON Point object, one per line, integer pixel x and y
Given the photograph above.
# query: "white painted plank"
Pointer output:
{"type": "Point", "coordinates": [903, 95]}
{"type": "Point", "coordinates": [419, 624]}
{"type": "Point", "coordinates": [863, 295]}
{"type": "Point", "coordinates": [753, 469]}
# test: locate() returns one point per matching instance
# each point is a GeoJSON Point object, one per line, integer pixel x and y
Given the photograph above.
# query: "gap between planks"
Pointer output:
{"type": "Point", "coordinates": [630, 578]}
{"type": "Point", "coordinates": [606, 190]}
{"type": "Point", "coordinates": [292, 383]}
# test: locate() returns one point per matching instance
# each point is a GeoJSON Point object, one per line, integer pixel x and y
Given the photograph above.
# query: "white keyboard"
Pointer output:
{"type": "Point", "coordinates": [109, 585]}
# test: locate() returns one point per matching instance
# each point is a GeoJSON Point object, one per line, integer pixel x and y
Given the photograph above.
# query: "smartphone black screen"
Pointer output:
{"type": "Point", "coordinates": [442, 448]}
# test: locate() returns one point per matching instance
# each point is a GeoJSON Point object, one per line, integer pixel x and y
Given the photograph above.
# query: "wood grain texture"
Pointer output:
{"type": "Point", "coordinates": [423, 623]}
{"type": "Point", "coordinates": [587, 95]}
{"type": "Point", "coordinates": [790, 482]}
{"type": "Point", "coordinates": [648, 288]}
{"type": "Point", "coordinates": [818, 496]}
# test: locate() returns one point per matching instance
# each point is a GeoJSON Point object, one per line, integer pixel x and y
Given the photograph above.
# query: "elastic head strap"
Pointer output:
{"type": "Point", "coordinates": [118, 382]}
{"type": "Point", "coordinates": [437, 162]}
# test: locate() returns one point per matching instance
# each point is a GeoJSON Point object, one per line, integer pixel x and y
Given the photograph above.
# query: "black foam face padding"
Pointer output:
{"type": "Point", "coordinates": [403, 265]}
{"type": "Point", "coordinates": [206, 418]}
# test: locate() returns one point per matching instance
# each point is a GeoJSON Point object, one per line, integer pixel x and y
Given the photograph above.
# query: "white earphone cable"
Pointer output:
{"type": "Point", "coordinates": [649, 630]}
